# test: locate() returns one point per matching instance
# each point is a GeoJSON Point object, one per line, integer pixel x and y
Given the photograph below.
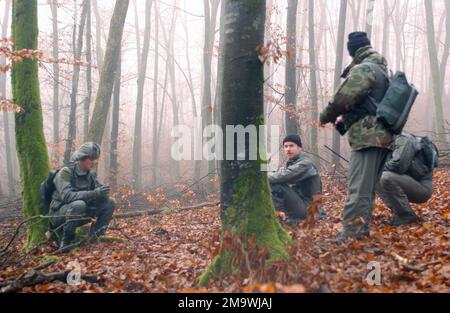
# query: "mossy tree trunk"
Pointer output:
{"type": "Point", "coordinates": [246, 204]}
{"type": "Point", "coordinates": [31, 147]}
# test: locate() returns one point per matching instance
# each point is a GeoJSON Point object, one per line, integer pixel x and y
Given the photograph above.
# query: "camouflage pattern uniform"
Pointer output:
{"type": "Point", "coordinates": [79, 197]}
{"type": "Point", "coordinates": [369, 140]}
{"type": "Point", "coordinates": [293, 186]}
{"type": "Point", "coordinates": [400, 185]}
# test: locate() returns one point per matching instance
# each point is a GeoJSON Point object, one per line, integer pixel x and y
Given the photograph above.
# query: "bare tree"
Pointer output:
{"type": "Point", "coordinates": [137, 142]}
{"type": "Point", "coordinates": [246, 208]}
{"type": "Point", "coordinates": [6, 115]}
{"type": "Point", "coordinates": [313, 81]}
{"type": "Point", "coordinates": [55, 54]}
{"type": "Point", "coordinates": [436, 71]}
{"type": "Point", "coordinates": [75, 79]}
{"type": "Point", "coordinates": [107, 77]}
{"type": "Point", "coordinates": [87, 100]}
{"type": "Point", "coordinates": [113, 163]}
{"type": "Point", "coordinates": [290, 72]}
{"type": "Point", "coordinates": [338, 70]}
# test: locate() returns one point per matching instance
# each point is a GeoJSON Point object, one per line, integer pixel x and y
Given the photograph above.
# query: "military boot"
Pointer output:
{"type": "Point", "coordinates": [67, 240]}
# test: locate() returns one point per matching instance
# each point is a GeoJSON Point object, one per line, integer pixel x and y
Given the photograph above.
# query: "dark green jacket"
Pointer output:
{"type": "Point", "coordinates": [360, 82]}
{"type": "Point", "coordinates": [405, 158]}
{"type": "Point", "coordinates": [302, 175]}
{"type": "Point", "coordinates": [72, 184]}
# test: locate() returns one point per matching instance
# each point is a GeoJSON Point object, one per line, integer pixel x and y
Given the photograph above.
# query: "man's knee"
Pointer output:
{"type": "Point", "coordinates": [78, 207]}
{"type": "Point", "coordinates": [387, 180]}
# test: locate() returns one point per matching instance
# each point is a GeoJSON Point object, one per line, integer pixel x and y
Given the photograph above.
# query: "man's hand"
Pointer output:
{"type": "Point", "coordinates": [323, 119]}
{"type": "Point", "coordinates": [102, 192]}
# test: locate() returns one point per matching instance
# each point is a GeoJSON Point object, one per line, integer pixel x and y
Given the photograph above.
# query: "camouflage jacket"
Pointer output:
{"type": "Point", "coordinates": [405, 158]}
{"type": "Point", "coordinates": [301, 174]}
{"type": "Point", "coordinates": [360, 82]}
{"type": "Point", "coordinates": [72, 184]}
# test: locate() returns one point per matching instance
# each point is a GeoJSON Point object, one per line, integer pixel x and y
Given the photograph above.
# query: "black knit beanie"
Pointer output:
{"type": "Point", "coordinates": [293, 138]}
{"type": "Point", "coordinates": [357, 40]}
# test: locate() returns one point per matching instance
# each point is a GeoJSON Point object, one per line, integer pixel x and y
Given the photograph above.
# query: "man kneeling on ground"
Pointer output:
{"type": "Point", "coordinates": [79, 197]}
{"type": "Point", "coordinates": [294, 186]}
{"type": "Point", "coordinates": [407, 177]}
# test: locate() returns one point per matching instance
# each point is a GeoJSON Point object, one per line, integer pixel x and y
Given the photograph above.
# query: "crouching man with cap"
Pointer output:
{"type": "Point", "coordinates": [294, 186]}
{"type": "Point", "coordinates": [79, 197]}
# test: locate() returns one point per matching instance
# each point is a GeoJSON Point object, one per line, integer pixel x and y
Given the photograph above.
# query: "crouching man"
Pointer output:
{"type": "Point", "coordinates": [407, 176]}
{"type": "Point", "coordinates": [79, 197]}
{"type": "Point", "coordinates": [294, 186]}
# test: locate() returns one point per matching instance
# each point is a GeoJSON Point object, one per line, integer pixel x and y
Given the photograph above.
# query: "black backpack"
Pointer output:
{"type": "Point", "coordinates": [393, 110]}
{"type": "Point", "coordinates": [46, 191]}
{"type": "Point", "coordinates": [425, 160]}
{"type": "Point", "coordinates": [47, 188]}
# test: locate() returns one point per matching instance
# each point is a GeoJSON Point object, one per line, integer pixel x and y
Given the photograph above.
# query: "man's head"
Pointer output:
{"type": "Point", "coordinates": [87, 155]}
{"type": "Point", "coordinates": [292, 145]}
{"type": "Point", "coordinates": [357, 40]}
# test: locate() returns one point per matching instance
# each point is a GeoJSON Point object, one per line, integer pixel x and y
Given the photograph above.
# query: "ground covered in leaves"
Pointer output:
{"type": "Point", "coordinates": [167, 252]}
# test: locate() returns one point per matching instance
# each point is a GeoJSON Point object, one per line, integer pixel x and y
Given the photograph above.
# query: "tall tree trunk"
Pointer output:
{"type": "Point", "coordinates": [137, 142]}
{"type": "Point", "coordinates": [98, 36]}
{"type": "Point", "coordinates": [246, 204]}
{"type": "Point", "coordinates": [6, 115]}
{"type": "Point", "coordinates": [31, 147]}
{"type": "Point", "coordinates": [338, 70]}
{"type": "Point", "coordinates": [369, 17]}
{"type": "Point", "coordinates": [55, 55]}
{"type": "Point", "coordinates": [155, 99]}
{"type": "Point", "coordinates": [169, 39]}
{"type": "Point", "coordinates": [290, 73]}
{"type": "Point", "coordinates": [313, 82]}
{"type": "Point", "coordinates": [209, 36]}
{"type": "Point", "coordinates": [72, 130]}
{"type": "Point", "coordinates": [114, 165]}
{"type": "Point", "coordinates": [87, 101]}
{"type": "Point", "coordinates": [107, 77]}
{"type": "Point", "coordinates": [436, 73]}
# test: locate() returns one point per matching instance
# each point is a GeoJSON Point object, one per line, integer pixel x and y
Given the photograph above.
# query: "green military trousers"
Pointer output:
{"type": "Point", "coordinates": [78, 213]}
{"type": "Point", "coordinates": [285, 199]}
{"type": "Point", "coordinates": [397, 191]}
{"type": "Point", "coordinates": [365, 170]}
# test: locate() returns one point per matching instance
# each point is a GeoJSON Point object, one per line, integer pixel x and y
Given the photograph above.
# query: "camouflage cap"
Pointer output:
{"type": "Point", "coordinates": [87, 149]}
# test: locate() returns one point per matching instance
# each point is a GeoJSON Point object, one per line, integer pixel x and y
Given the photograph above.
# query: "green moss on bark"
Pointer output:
{"type": "Point", "coordinates": [31, 146]}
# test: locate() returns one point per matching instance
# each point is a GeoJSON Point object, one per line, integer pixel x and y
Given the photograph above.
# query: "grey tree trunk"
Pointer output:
{"type": "Point", "coordinates": [107, 77]}
{"type": "Point", "coordinates": [55, 55]}
{"type": "Point", "coordinates": [313, 82]}
{"type": "Point", "coordinates": [113, 163]}
{"type": "Point", "coordinates": [369, 17]}
{"type": "Point", "coordinates": [436, 73]}
{"type": "Point", "coordinates": [210, 9]}
{"type": "Point", "coordinates": [87, 100]}
{"type": "Point", "coordinates": [338, 70]}
{"type": "Point", "coordinates": [169, 39]}
{"type": "Point", "coordinates": [137, 142]}
{"type": "Point", "coordinates": [246, 208]}
{"type": "Point", "coordinates": [98, 36]}
{"type": "Point", "coordinates": [72, 130]}
{"type": "Point", "coordinates": [155, 99]}
{"type": "Point", "coordinates": [290, 72]}
{"type": "Point", "coordinates": [9, 147]}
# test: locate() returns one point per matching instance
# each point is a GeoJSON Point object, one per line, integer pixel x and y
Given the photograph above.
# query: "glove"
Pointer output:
{"type": "Point", "coordinates": [101, 192]}
{"type": "Point", "coordinates": [323, 119]}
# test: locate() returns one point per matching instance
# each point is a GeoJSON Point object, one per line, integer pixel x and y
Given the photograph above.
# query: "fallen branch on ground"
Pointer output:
{"type": "Point", "coordinates": [151, 212]}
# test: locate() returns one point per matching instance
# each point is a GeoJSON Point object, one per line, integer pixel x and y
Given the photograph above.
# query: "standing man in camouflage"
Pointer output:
{"type": "Point", "coordinates": [294, 186]}
{"type": "Point", "coordinates": [351, 111]}
{"type": "Point", "coordinates": [79, 197]}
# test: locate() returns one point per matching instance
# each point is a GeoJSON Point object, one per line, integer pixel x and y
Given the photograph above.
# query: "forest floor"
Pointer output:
{"type": "Point", "coordinates": [167, 253]}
